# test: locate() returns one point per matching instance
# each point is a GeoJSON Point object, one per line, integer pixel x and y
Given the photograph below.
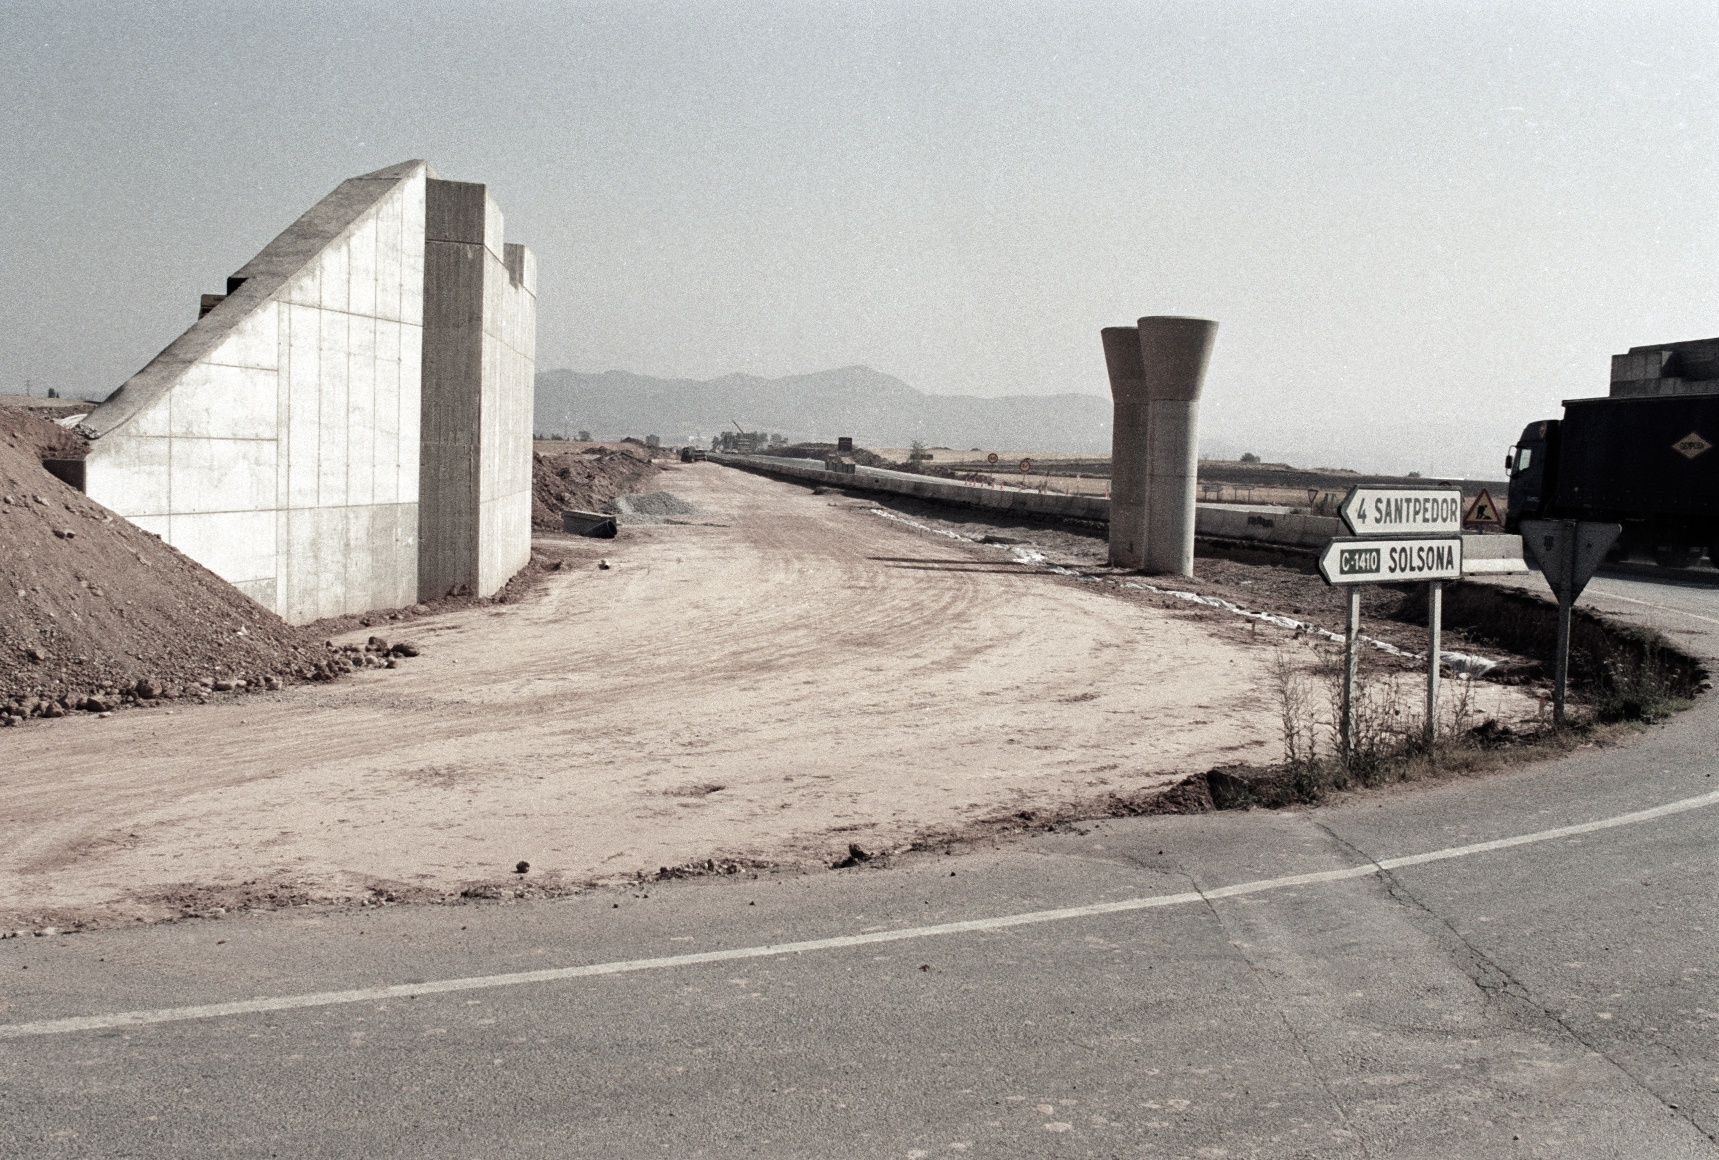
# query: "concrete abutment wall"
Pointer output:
{"type": "Point", "coordinates": [278, 441]}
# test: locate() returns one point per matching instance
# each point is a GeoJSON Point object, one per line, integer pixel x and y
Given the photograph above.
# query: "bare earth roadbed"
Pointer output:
{"type": "Point", "coordinates": [786, 678]}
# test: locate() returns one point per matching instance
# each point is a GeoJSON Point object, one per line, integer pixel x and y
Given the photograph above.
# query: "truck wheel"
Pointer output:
{"type": "Point", "coordinates": [1675, 556]}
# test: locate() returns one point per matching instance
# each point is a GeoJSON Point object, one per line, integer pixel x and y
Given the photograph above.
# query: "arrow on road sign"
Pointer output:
{"type": "Point", "coordinates": [1398, 511]}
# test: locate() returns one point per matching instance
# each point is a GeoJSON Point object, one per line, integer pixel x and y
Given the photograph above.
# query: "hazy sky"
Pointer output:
{"type": "Point", "coordinates": [1420, 225]}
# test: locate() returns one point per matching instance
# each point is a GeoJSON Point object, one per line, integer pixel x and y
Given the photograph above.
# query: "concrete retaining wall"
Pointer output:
{"type": "Point", "coordinates": [278, 440]}
{"type": "Point", "coordinates": [1236, 523]}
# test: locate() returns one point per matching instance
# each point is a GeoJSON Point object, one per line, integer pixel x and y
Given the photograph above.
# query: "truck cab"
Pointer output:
{"type": "Point", "coordinates": [1526, 464]}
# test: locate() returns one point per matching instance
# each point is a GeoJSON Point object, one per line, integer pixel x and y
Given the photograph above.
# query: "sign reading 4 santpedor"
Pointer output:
{"type": "Point", "coordinates": [1402, 511]}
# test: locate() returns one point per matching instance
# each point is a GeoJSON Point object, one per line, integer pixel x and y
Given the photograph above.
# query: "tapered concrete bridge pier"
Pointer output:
{"type": "Point", "coordinates": [1157, 370]}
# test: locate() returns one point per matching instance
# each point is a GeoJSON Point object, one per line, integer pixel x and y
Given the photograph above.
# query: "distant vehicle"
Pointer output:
{"type": "Point", "coordinates": [691, 454]}
{"type": "Point", "coordinates": [1648, 462]}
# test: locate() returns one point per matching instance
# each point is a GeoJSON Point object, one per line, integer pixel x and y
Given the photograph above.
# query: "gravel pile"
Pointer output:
{"type": "Point", "coordinates": [653, 507]}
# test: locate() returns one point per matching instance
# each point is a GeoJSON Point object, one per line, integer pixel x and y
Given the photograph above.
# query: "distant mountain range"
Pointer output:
{"type": "Point", "coordinates": [878, 410]}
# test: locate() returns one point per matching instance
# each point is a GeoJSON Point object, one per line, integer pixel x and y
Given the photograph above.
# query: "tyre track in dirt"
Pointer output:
{"type": "Point", "coordinates": [841, 678]}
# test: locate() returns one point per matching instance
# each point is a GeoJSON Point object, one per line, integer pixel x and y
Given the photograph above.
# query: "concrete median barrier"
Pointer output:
{"type": "Point", "coordinates": [1267, 526]}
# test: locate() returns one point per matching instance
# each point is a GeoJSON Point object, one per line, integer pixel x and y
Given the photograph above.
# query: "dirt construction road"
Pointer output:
{"type": "Point", "coordinates": [795, 675]}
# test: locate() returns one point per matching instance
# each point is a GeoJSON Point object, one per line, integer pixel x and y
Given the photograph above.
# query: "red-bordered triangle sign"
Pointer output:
{"type": "Point", "coordinates": [1482, 512]}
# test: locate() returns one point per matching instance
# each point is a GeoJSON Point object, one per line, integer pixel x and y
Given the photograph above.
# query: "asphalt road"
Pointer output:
{"type": "Point", "coordinates": [1685, 607]}
{"type": "Point", "coordinates": [1266, 984]}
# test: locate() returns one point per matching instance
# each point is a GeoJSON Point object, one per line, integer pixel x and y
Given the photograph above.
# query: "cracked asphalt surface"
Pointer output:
{"type": "Point", "coordinates": [1554, 999]}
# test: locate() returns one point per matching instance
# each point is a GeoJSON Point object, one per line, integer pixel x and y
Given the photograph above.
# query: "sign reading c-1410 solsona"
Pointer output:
{"type": "Point", "coordinates": [1370, 560]}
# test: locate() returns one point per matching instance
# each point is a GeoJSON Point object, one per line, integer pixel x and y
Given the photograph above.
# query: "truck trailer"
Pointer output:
{"type": "Point", "coordinates": [1647, 462]}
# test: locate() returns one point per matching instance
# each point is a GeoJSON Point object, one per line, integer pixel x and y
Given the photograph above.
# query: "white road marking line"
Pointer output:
{"type": "Point", "coordinates": [1610, 595]}
{"type": "Point", "coordinates": [124, 1019]}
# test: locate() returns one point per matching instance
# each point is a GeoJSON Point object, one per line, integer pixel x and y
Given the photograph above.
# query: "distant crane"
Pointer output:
{"type": "Point", "coordinates": [747, 442]}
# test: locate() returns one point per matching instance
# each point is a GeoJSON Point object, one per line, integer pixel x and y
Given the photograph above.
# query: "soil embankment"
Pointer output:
{"type": "Point", "coordinates": [95, 612]}
{"type": "Point", "coordinates": [588, 477]}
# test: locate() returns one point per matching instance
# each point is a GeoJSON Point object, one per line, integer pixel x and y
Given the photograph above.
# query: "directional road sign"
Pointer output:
{"type": "Point", "coordinates": [991, 458]}
{"type": "Point", "coordinates": [1372, 561]}
{"type": "Point", "coordinates": [1026, 466]}
{"type": "Point", "coordinates": [1403, 511]}
{"type": "Point", "coordinates": [1568, 551]}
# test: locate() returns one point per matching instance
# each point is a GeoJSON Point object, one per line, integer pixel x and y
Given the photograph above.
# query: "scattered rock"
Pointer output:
{"type": "Point", "coordinates": [403, 648]}
{"type": "Point", "coordinates": [65, 533]}
{"type": "Point", "coordinates": [35, 654]}
{"type": "Point", "coordinates": [856, 857]}
{"type": "Point", "coordinates": [602, 565]}
{"type": "Point", "coordinates": [146, 689]}
{"type": "Point", "coordinates": [222, 685]}
{"type": "Point", "coordinates": [521, 867]}
{"type": "Point", "coordinates": [376, 644]}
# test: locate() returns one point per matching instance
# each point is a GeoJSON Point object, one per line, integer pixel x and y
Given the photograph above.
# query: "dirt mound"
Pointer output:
{"type": "Point", "coordinates": [859, 455]}
{"type": "Point", "coordinates": [95, 612]}
{"type": "Point", "coordinates": [583, 477]}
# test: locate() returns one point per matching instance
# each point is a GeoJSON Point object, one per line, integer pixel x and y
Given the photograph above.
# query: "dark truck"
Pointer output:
{"type": "Point", "coordinates": [1648, 462]}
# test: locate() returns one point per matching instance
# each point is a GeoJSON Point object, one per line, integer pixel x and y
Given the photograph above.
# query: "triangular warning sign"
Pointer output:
{"type": "Point", "coordinates": [1482, 512]}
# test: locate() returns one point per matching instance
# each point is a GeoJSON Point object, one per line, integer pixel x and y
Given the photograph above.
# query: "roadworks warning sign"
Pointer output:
{"type": "Point", "coordinates": [1482, 512]}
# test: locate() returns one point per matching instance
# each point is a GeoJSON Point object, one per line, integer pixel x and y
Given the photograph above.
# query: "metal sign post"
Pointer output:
{"type": "Point", "coordinates": [1401, 535]}
{"type": "Point", "coordinates": [1435, 628]}
{"type": "Point", "coordinates": [1351, 662]}
{"type": "Point", "coordinates": [1568, 553]}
